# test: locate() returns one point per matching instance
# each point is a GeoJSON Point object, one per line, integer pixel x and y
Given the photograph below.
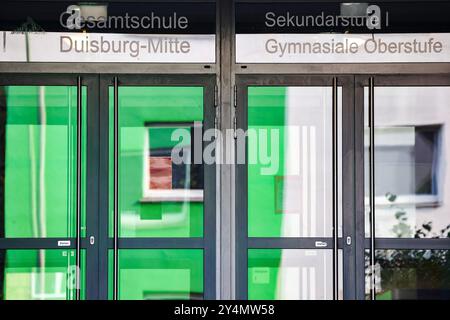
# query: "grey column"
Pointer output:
{"type": "Point", "coordinates": [225, 115]}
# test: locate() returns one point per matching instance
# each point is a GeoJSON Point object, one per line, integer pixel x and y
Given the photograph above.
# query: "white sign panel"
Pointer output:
{"type": "Point", "coordinates": [342, 48]}
{"type": "Point", "coordinates": [12, 47]}
{"type": "Point", "coordinates": [102, 47]}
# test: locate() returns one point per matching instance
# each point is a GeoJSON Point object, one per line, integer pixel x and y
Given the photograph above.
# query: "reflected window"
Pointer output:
{"type": "Point", "coordinates": [159, 196]}
{"type": "Point", "coordinates": [408, 164]}
{"type": "Point", "coordinates": [172, 171]}
{"type": "Point", "coordinates": [411, 150]}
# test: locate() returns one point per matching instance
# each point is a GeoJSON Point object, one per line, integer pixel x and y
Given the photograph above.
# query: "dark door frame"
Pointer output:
{"type": "Point", "coordinates": [106, 241]}
{"type": "Point", "coordinates": [243, 242]}
{"type": "Point", "coordinates": [91, 181]}
{"type": "Point", "coordinates": [363, 243]}
{"type": "Point", "coordinates": [97, 242]}
{"type": "Point", "coordinates": [353, 178]}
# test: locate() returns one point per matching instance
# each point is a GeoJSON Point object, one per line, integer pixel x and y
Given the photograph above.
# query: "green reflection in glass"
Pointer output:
{"type": "Point", "coordinates": [291, 274]}
{"type": "Point", "coordinates": [410, 274]}
{"type": "Point", "coordinates": [39, 124]}
{"type": "Point", "coordinates": [39, 274]}
{"type": "Point", "coordinates": [266, 110]}
{"type": "Point", "coordinates": [263, 268]}
{"type": "Point", "coordinates": [154, 274]}
{"type": "Point", "coordinates": [156, 197]}
{"type": "Point", "coordinates": [289, 159]}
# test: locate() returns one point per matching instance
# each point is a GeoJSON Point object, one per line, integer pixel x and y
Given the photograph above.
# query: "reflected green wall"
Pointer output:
{"type": "Point", "coordinates": [137, 106]}
{"type": "Point", "coordinates": [40, 161]}
{"type": "Point", "coordinates": [155, 274]}
{"type": "Point", "coordinates": [266, 110]}
{"type": "Point", "coordinates": [31, 274]}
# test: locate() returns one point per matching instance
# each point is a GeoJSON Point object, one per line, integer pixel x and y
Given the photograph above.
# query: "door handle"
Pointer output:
{"type": "Point", "coordinates": [348, 240]}
{"type": "Point", "coordinates": [321, 244]}
{"type": "Point", "coordinates": [64, 243]}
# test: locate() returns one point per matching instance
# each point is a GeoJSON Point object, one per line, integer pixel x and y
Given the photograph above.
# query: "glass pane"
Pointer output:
{"type": "Point", "coordinates": [291, 274]}
{"type": "Point", "coordinates": [154, 274]}
{"type": "Point", "coordinates": [39, 274]}
{"type": "Point", "coordinates": [411, 152]}
{"type": "Point", "coordinates": [38, 181]}
{"type": "Point", "coordinates": [290, 161]}
{"type": "Point", "coordinates": [410, 274]}
{"type": "Point", "coordinates": [160, 179]}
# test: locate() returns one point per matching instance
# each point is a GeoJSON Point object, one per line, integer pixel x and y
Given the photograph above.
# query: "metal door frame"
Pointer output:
{"type": "Point", "coordinates": [91, 181]}
{"type": "Point", "coordinates": [363, 243]}
{"type": "Point", "coordinates": [208, 241]}
{"type": "Point", "coordinates": [243, 242]}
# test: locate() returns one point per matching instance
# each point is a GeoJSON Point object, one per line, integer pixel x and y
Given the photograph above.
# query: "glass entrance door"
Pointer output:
{"type": "Point", "coordinates": [43, 225]}
{"type": "Point", "coordinates": [341, 187]}
{"type": "Point", "coordinates": [292, 210]}
{"type": "Point", "coordinates": [160, 221]}
{"type": "Point", "coordinates": [406, 185]}
{"type": "Point", "coordinates": [107, 187]}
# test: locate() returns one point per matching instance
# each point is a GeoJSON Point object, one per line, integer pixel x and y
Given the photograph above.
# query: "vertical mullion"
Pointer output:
{"type": "Point", "coordinates": [241, 188]}
{"type": "Point", "coordinates": [209, 202]}
{"type": "Point", "coordinates": [3, 122]}
{"type": "Point", "coordinates": [359, 245]}
{"type": "Point", "coordinates": [92, 187]}
{"type": "Point", "coordinates": [78, 189]}
{"type": "Point", "coordinates": [372, 186]}
{"type": "Point", "coordinates": [335, 190]}
{"type": "Point", "coordinates": [227, 206]}
{"type": "Point", "coordinates": [348, 187]}
{"type": "Point", "coordinates": [116, 191]}
{"type": "Point", "coordinates": [104, 203]}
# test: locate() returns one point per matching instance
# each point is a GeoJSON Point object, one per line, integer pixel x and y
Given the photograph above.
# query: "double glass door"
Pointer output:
{"type": "Point", "coordinates": [341, 188]}
{"type": "Point", "coordinates": [104, 191]}
{"type": "Point", "coordinates": [108, 187]}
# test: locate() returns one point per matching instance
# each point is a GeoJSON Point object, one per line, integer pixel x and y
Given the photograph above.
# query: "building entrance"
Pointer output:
{"type": "Point", "coordinates": [96, 204]}
{"type": "Point", "coordinates": [342, 195]}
